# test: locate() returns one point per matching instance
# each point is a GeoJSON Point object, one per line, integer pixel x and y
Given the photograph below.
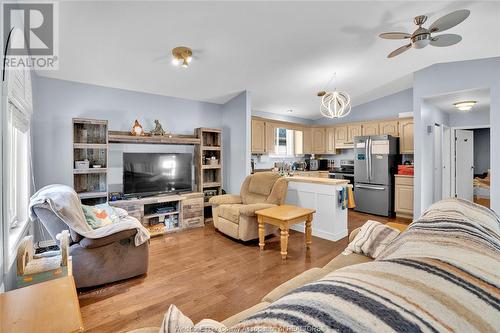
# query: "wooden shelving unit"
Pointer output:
{"type": "Point", "coordinates": [209, 175]}
{"type": "Point", "coordinates": [126, 137]}
{"type": "Point", "coordinates": [90, 142]}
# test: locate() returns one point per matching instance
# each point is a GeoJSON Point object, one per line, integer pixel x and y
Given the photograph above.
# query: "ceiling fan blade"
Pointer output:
{"type": "Point", "coordinates": [400, 50]}
{"type": "Point", "coordinates": [445, 40]}
{"type": "Point", "coordinates": [450, 20]}
{"type": "Point", "coordinates": [395, 35]}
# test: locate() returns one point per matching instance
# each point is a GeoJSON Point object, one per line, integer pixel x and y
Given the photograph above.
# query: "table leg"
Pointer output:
{"type": "Point", "coordinates": [262, 232]}
{"type": "Point", "coordinates": [309, 231]}
{"type": "Point", "coordinates": [284, 242]}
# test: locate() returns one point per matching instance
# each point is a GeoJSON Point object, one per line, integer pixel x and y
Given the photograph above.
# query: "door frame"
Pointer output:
{"type": "Point", "coordinates": [454, 155]}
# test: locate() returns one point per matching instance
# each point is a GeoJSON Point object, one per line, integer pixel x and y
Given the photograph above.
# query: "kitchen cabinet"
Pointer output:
{"type": "Point", "coordinates": [406, 136]}
{"type": "Point", "coordinates": [330, 140]}
{"type": "Point", "coordinates": [352, 131]}
{"type": "Point", "coordinates": [307, 140]}
{"type": "Point", "coordinates": [270, 137]}
{"type": "Point", "coordinates": [403, 196]}
{"type": "Point", "coordinates": [370, 129]}
{"type": "Point", "coordinates": [258, 136]}
{"type": "Point", "coordinates": [318, 140]}
{"type": "Point", "coordinates": [298, 142]}
{"type": "Point", "coordinates": [341, 137]}
{"type": "Point", "coordinates": [389, 127]}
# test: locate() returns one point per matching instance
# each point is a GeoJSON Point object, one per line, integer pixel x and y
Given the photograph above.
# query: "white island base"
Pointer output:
{"type": "Point", "coordinates": [330, 220]}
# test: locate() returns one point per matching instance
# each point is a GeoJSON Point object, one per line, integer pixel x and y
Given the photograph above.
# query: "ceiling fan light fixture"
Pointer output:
{"type": "Point", "coordinates": [464, 106]}
{"type": "Point", "coordinates": [182, 56]}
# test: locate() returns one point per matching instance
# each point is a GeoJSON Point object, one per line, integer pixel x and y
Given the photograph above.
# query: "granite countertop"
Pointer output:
{"type": "Point", "coordinates": [317, 180]}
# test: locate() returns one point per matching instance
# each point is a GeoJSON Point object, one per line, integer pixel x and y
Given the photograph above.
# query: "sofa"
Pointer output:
{"type": "Point", "coordinates": [234, 215]}
{"type": "Point", "coordinates": [102, 260]}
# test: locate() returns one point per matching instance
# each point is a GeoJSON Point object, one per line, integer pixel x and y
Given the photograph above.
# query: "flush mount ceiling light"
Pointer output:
{"type": "Point", "coordinates": [182, 56]}
{"type": "Point", "coordinates": [289, 111]}
{"type": "Point", "coordinates": [334, 104]}
{"type": "Point", "coordinates": [465, 105]}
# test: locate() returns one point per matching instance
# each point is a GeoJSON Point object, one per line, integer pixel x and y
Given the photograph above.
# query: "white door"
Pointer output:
{"type": "Point", "coordinates": [438, 163]}
{"type": "Point", "coordinates": [446, 170]}
{"type": "Point", "coordinates": [464, 164]}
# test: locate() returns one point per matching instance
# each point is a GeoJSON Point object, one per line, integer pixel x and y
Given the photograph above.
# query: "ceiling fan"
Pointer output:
{"type": "Point", "coordinates": [422, 36]}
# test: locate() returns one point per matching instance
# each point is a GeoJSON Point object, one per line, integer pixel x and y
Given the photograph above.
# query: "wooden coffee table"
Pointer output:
{"type": "Point", "coordinates": [283, 217]}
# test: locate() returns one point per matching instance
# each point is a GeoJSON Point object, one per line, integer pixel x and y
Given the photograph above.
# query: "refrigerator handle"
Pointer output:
{"type": "Point", "coordinates": [370, 154]}
{"type": "Point", "coordinates": [367, 160]}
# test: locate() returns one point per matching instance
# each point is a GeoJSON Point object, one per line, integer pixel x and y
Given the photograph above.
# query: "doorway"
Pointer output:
{"type": "Point", "coordinates": [461, 145]}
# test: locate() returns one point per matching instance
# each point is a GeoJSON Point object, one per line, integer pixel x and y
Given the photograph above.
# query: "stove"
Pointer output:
{"type": "Point", "coordinates": [344, 171]}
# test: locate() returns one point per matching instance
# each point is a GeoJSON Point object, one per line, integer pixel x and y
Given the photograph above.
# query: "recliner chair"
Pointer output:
{"type": "Point", "coordinates": [234, 215]}
{"type": "Point", "coordinates": [98, 261]}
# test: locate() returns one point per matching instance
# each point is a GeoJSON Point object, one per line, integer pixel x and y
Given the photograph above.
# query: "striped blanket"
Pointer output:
{"type": "Point", "coordinates": [441, 275]}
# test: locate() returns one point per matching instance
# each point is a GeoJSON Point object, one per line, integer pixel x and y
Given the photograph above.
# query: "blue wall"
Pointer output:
{"type": "Point", "coordinates": [443, 79]}
{"type": "Point", "coordinates": [58, 101]}
{"type": "Point", "coordinates": [236, 117]}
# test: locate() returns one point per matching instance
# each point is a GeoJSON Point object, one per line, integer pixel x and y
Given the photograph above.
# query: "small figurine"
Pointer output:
{"type": "Point", "coordinates": [137, 129]}
{"type": "Point", "coordinates": [158, 129]}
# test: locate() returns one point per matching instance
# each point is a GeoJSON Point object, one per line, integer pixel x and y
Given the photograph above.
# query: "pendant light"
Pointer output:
{"type": "Point", "coordinates": [334, 104]}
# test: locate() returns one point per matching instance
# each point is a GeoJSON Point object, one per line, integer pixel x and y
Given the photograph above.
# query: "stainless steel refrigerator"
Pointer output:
{"type": "Point", "coordinates": [375, 162]}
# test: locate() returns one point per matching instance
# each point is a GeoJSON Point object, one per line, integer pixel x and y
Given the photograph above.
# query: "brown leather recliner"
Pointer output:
{"type": "Point", "coordinates": [234, 215]}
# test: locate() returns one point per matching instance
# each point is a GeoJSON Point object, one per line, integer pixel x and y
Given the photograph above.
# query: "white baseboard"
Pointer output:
{"type": "Point", "coordinates": [321, 233]}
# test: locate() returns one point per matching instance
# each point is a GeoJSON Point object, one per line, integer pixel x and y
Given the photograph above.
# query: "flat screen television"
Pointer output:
{"type": "Point", "coordinates": [146, 174]}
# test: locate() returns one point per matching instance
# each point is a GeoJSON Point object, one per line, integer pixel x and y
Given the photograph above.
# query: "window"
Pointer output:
{"type": "Point", "coordinates": [17, 166]}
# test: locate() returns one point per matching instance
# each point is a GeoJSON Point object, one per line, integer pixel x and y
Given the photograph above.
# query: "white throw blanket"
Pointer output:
{"type": "Point", "coordinates": [64, 202]}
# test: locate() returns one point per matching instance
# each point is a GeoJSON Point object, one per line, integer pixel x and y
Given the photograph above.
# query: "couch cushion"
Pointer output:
{"type": "Point", "coordinates": [230, 212]}
{"type": "Point", "coordinates": [310, 275]}
{"type": "Point", "coordinates": [346, 260]}
{"type": "Point", "coordinates": [233, 320]}
{"type": "Point", "coordinates": [262, 183]}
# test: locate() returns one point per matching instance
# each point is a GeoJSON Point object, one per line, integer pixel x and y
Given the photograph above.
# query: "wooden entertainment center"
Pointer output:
{"type": "Point", "coordinates": [160, 214]}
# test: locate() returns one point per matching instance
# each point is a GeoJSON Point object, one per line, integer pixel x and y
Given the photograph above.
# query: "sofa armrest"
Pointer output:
{"type": "Point", "coordinates": [249, 210]}
{"type": "Point", "coordinates": [89, 243]}
{"type": "Point", "coordinates": [353, 234]}
{"type": "Point", "coordinates": [225, 199]}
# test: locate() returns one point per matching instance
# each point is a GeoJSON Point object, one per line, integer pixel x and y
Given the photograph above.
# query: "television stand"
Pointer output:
{"type": "Point", "coordinates": [166, 213]}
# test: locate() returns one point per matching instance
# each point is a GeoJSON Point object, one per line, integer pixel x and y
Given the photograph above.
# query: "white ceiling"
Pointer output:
{"type": "Point", "coordinates": [445, 102]}
{"type": "Point", "coordinates": [282, 52]}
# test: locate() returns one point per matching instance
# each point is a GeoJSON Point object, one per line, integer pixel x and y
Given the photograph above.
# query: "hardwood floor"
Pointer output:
{"type": "Point", "coordinates": [207, 275]}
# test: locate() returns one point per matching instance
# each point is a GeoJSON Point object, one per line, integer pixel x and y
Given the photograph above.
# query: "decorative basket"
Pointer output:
{"type": "Point", "coordinates": [82, 164]}
{"type": "Point", "coordinates": [212, 161]}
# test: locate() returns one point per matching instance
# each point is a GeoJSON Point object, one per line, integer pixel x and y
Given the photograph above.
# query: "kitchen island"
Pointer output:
{"type": "Point", "coordinates": [321, 194]}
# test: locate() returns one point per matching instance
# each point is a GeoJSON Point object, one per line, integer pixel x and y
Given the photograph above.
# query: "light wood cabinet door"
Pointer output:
{"type": "Point", "coordinates": [270, 137]}
{"type": "Point", "coordinates": [389, 127]}
{"type": "Point", "coordinates": [258, 136]}
{"type": "Point", "coordinates": [403, 200]}
{"type": "Point", "coordinates": [318, 140]}
{"type": "Point", "coordinates": [341, 137]}
{"type": "Point", "coordinates": [307, 140]}
{"type": "Point", "coordinates": [370, 129]}
{"type": "Point", "coordinates": [330, 140]}
{"type": "Point", "coordinates": [352, 131]}
{"type": "Point", "coordinates": [406, 136]}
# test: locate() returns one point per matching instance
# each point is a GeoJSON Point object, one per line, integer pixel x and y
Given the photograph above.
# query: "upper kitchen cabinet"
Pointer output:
{"type": "Point", "coordinates": [307, 140]}
{"type": "Point", "coordinates": [330, 140]}
{"type": "Point", "coordinates": [318, 140]}
{"type": "Point", "coordinates": [389, 127]}
{"type": "Point", "coordinates": [370, 129]}
{"type": "Point", "coordinates": [258, 136]}
{"type": "Point", "coordinates": [270, 137]}
{"type": "Point", "coordinates": [352, 131]}
{"type": "Point", "coordinates": [406, 136]}
{"type": "Point", "coordinates": [298, 142]}
{"type": "Point", "coordinates": [341, 137]}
